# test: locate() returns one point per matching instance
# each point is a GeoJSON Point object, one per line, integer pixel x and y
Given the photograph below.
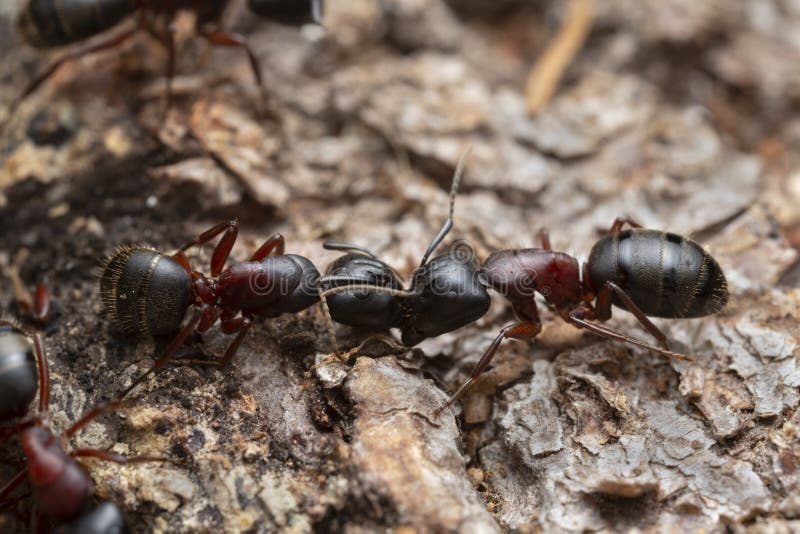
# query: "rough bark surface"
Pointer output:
{"type": "Point", "coordinates": [683, 114]}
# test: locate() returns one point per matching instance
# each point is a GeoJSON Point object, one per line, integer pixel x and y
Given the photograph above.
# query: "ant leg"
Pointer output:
{"type": "Point", "coordinates": [210, 316]}
{"type": "Point", "coordinates": [77, 53]}
{"type": "Point", "coordinates": [168, 353]}
{"type": "Point", "coordinates": [544, 239]}
{"type": "Point", "coordinates": [603, 307]}
{"type": "Point", "coordinates": [44, 373]}
{"type": "Point", "coordinates": [575, 318]}
{"type": "Point", "coordinates": [223, 249]}
{"type": "Point", "coordinates": [619, 222]}
{"type": "Point", "coordinates": [523, 330]}
{"type": "Point", "coordinates": [276, 243]}
{"type": "Point", "coordinates": [326, 312]}
{"type": "Point", "coordinates": [91, 415]}
{"type": "Point", "coordinates": [243, 325]}
{"type": "Point", "coordinates": [240, 326]}
{"type": "Point", "coordinates": [220, 38]}
{"type": "Point", "coordinates": [448, 223]}
{"type": "Point", "coordinates": [108, 456]}
{"type": "Point", "coordinates": [13, 483]}
{"type": "Point", "coordinates": [346, 247]}
{"type": "Point", "coordinates": [41, 303]}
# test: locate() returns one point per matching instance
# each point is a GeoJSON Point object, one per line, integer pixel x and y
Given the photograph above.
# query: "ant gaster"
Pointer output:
{"type": "Point", "coordinates": [61, 487]}
{"type": "Point", "coordinates": [48, 24]}
{"type": "Point", "coordinates": [146, 292]}
{"type": "Point", "coordinates": [445, 294]}
{"type": "Point", "coordinates": [646, 272]}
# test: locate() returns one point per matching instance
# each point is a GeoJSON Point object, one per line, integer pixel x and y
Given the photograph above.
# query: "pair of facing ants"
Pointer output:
{"type": "Point", "coordinates": [646, 272]}
{"type": "Point", "coordinates": [649, 273]}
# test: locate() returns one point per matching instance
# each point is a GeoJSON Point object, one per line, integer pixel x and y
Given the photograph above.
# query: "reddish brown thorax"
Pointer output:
{"type": "Point", "coordinates": [518, 273]}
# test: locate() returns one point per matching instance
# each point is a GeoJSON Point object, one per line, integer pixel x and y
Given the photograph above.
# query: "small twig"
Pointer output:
{"type": "Point", "coordinates": [546, 74]}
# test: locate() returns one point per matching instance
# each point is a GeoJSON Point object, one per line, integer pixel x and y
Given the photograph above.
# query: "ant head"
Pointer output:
{"type": "Point", "coordinates": [289, 12]}
{"type": "Point", "coordinates": [446, 295]}
{"type": "Point", "coordinates": [364, 308]}
{"type": "Point", "coordinates": [144, 292]}
{"type": "Point", "coordinates": [18, 378]}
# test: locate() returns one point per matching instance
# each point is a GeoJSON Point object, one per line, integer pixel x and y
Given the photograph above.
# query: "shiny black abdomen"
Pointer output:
{"type": "Point", "coordinates": [49, 23]}
{"type": "Point", "coordinates": [666, 275]}
{"type": "Point", "coordinates": [366, 309]}
{"type": "Point", "coordinates": [18, 374]}
{"type": "Point", "coordinates": [144, 291]}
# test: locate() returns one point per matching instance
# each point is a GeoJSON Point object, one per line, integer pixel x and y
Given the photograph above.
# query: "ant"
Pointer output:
{"type": "Point", "coordinates": [48, 24]}
{"type": "Point", "coordinates": [649, 273]}
{"type": "Point", "coordinates": [146, 292]}
{"type": "Point", "coordinates": [61, 486]}
{"type": "Point", "coordinates": [445, 293]}
{"type": "Point", "coordinates": [646, 272]}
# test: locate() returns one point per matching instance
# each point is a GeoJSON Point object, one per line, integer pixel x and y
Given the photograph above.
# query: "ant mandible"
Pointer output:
{"type": "Point", "coordinates": [444, 295]}
{"type": "Point", "coordinates": [61, 486]}
{"type": "Point", "coordinates": [48, 24]}
{"type": "Point", "coordinates": [649, 273]}
{"type": "Point", "coordinates": [148, 292]}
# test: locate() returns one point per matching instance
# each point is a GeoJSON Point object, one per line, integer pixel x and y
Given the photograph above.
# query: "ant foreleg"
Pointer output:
{"type": "Point", "coordinates": [15, 481]}
{"type": "Point", "coordinates": [220, 38]}
{"type": "Point", "coordinates": [523, 330]}
{"type": "Point", "coordinates": [276, 243]}
{"type": "Point", "coordinates": [603, 308]}
{"type": "Point", "coordinates": [544, 239]}
{"type": "Point", "coordinates": [223, 248]}
{"type": "Point", "coordinates": [108, 456]}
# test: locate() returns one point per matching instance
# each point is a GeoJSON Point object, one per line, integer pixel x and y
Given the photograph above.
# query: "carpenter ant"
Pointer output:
{"type": "Point", "coordinates": [646, 272]}
{"type": "Point", "coordinates": [48, 24]}
{"type": "Point", "coordinates": [61, 487]}
{"type": "Point", "coordinates": [147, 292]}
{"type": "Point", "coordinates": [445, 294]}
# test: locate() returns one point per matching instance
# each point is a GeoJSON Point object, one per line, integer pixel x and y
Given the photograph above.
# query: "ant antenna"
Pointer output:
{"type": "Point", "coordinates": [346, 247]}
{"type": "Point", "coordinates": [448, 224]}
{"type": "Point", "coordinates": [328, 321]}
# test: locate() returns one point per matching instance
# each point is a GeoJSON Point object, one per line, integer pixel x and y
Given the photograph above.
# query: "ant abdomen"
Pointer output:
{"type": "Point", "coordinates": [145, 292]}
{"type": "Point", "coordinates": [364, 308]}
{"type": "Point", "coordinates": [45, 24]}
{"type": "Point", "coordinates": [18, 377]}
{"type": "Point", "coordinates": [665, 274]}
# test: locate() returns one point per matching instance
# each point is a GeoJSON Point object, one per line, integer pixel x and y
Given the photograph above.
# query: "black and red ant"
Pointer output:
{"type": "Point", "coordinates": [48, 24]}
{"type": "Point", "coordinates": [61, 486]}
{"type": "Point", "coordinates": [146, 292]}
{"type": "Point", "coordinates": [647, 272]}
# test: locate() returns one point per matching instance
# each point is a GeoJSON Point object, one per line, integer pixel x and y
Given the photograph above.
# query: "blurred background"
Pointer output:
{"type": "Point", "coordinates": [682, 114]}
